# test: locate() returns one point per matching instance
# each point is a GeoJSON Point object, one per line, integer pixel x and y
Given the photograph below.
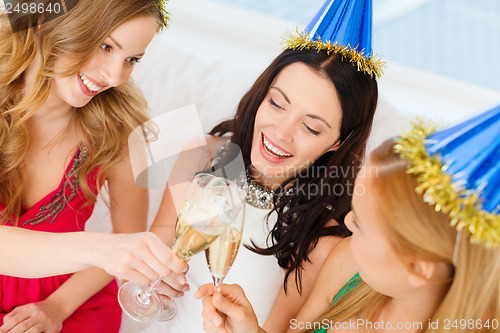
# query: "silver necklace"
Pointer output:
{"type": "Point", "coordinates": [260, 197]}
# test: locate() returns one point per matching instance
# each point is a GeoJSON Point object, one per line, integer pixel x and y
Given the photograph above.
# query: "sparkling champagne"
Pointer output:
{"type": "Point", "coordinates": [222, 252]}
{"type": "Point", "coordinates": [195, 237]}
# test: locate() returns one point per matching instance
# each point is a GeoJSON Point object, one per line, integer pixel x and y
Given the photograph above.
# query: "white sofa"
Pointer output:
{"type": "Point", "coordinates": [213, 52]}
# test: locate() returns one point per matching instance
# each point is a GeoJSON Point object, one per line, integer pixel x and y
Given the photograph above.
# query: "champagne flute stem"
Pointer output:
{"type": "Point", "coordinates": [146, 295]}
{"type": "Point", "coordinates": [217, 284]}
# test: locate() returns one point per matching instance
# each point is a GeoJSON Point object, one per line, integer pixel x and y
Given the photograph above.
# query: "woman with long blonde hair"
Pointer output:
{"type": "Point", "coordinates": [67, 107]}
{"type": "Point", "coordinates": [407, 267]}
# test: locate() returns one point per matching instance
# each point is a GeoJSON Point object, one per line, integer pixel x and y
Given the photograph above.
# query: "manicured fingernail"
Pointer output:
{"type": "Point", "coordinates": [216, 321]}
{"type": "Point", "coordinates": [186, 288]}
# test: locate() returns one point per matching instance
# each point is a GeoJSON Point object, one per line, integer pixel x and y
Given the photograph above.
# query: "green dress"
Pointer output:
{"type": "Point", "coordinates": [354, 281]}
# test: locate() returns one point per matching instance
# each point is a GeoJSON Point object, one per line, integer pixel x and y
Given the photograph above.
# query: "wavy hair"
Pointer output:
{"type": "Point", "coordinates": [103, 124]}
{"type": "Point", "coordinates": [302, 217]}
{"type": "Point", "coordinates": [415, 229]}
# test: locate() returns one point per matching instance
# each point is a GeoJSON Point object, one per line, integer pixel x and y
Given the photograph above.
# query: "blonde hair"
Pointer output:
{"type": "Point", "coordinates": [415, 229]}
{"type": "Point", "coordinates": [103, 124]}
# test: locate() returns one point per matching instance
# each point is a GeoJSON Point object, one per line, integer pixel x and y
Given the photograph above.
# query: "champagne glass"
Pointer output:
{"type": "Point", "coordinates": [202, 219]}
{"type": "Point", "coordinates": [222, 252]}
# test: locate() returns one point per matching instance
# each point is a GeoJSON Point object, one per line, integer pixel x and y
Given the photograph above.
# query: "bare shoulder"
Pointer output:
{"type": "Point", "coordinates": [325, 245]}
{"type": "Point", "coordinates": [340, 263]}
{"type": "Point", "coordinates": [316, 260]}
{"type": "Point", "coordinates": [202, 142]}
{"type": "Point", "coordinates": [338, 268]}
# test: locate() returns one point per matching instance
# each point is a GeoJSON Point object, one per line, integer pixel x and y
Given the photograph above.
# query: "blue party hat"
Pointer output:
{"type": "Point", "coordinates": [458, 171]}
{"type": "Point", "coordinates": [343, 27]}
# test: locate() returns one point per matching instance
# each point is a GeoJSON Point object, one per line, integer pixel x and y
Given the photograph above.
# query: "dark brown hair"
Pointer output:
{"type": "Point", "coordinates": [301, 216]}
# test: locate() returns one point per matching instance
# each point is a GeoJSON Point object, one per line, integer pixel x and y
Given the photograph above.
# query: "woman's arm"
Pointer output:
{"type": "Point", "coordinates": [31, 254]}
{"type": "Point", "coordinates": [38, 254]}
{"type": "Point", "coordinates": [164, 223]}
{"type": "Point", "coordinates": [337, 269]}
{"type": "Point", "coordinates": [288, 305]}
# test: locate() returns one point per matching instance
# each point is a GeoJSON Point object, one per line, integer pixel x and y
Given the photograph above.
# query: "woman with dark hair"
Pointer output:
{"type": "Point", "coordinates": [308, 130]}
{"type": "Point", "coordinates": [302, 129]}
{"type": "Point", "coordinates": [329, 171]}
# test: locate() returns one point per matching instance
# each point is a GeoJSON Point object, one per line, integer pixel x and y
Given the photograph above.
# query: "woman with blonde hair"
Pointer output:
{"type": "Point", "coordinates": [424, 255]}
{"type": "Point", "coordinates": [67, 107]}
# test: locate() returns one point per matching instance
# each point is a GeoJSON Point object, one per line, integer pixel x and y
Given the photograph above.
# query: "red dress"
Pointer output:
{"type": "Point", "coordinates": [100, 313]}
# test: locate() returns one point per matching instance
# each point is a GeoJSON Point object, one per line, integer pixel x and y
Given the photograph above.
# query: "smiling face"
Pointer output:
{"type": "Point", "coordinates": [297, 122]}
{"type": "Point", "coordinates": [110, 66]}
{"type": "Point", "coordinates": [378, 263]}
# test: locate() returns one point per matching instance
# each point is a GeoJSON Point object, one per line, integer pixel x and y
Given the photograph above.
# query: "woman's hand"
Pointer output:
{"type": "Point", "coordinates": [141, 258]}
{"type": "Point", "coordinates": [38, 317]}
{"type": "Point", "coordinates": [227, 311]}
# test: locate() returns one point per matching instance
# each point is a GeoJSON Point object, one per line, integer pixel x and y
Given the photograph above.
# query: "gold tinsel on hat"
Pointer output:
{"type": "Point", "coordinates": [162, 5]}
{"type": "Point", "coordinates": [462, 205]}
{"type": "Point", "coordinates": [371, 65]}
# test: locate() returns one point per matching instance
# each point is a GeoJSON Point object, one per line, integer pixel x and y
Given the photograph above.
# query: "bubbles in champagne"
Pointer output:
{"type": "Point", "coordinates": [222, 253]}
